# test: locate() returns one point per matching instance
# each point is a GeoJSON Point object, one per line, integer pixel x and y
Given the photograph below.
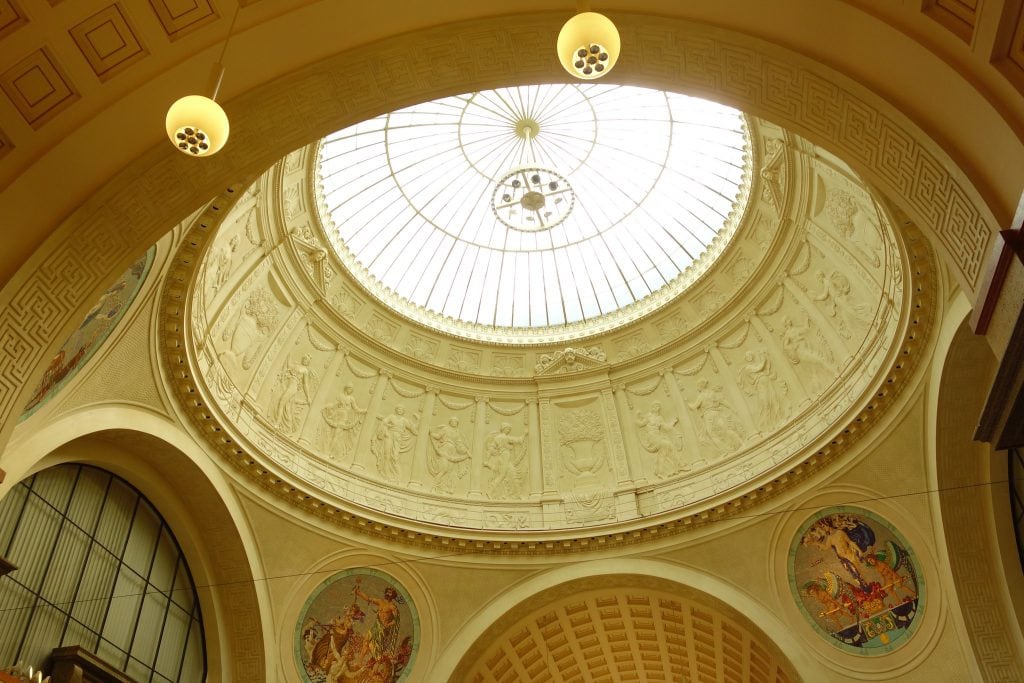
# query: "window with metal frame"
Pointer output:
{"type": "Point", "coordinates": [98, 567]}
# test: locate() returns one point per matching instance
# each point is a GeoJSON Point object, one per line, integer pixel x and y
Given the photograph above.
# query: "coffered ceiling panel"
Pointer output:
{"type": "Point", "coordinates": [5, 144]}
{"type": "Point", "coordinates": [959, 16]}
{"type": "Point", "coordinates": [107, 41]}
{"type": "Point", "coordinates": [38, 87]}
{"type": "Point", "coordinates": [180, 17]}
{"type": "Point", "coordinates": [628, 635]}
{"type": "Point", "coordinates": [11, 18]}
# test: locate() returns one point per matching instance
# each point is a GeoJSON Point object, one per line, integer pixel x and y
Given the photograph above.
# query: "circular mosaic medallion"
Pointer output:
{"type": "Point", "coordinates": [358, 625]}
{"type": "Point", "coordinates": [856, 580]}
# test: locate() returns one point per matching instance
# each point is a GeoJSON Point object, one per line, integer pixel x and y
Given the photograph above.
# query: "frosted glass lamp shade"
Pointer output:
{"type": "Point", "coordinates": [197, 125]}
{"type": "Point", "coordinates": [588, 45]}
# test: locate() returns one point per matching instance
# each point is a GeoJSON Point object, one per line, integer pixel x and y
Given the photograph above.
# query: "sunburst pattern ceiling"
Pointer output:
{"type": "Point", "coordinates": [535, 206]}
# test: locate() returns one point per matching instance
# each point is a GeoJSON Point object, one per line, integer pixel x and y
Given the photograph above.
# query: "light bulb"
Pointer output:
{"type": "Point", "coordinates": [588, 45]}
{"type": "Point", "coordinates": [197, 125]}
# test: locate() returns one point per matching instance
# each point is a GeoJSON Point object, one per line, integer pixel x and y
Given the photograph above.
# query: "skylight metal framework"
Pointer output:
{"type": "Point", "coordinates": [413, 200]}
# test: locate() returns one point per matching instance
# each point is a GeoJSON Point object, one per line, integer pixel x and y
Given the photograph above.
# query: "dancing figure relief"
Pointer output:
{"type": "Point", "coordinates": [297, 383]}
{"type": "Point", "coordinates": [758, 380]}
{"type": "Point", "coordinates": [660, 437]}
{"type": "Point", "coordinates": [718, 425]}
{"type": "Point", "coordinates": [221, 264]}
{"type": "Point", "coordinates": [506, 461]}
{"type": "Point", "coordinates": [450, 456]}
{"type": "Point", "coordinates": [344, 418]}
{"type": "Point", "coordinates": [836, 300]}
{"type": "Point", "coordinates": [801, 348]}
{"type": "Point", "coordinates": [395, 437]}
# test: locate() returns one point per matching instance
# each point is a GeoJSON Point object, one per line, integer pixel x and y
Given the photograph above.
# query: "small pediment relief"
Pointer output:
{"type": "Point", "coordinates": [570, 360]}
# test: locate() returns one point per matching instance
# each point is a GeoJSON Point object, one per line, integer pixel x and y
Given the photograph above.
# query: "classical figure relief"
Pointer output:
{"type": "Point", "coordinates": [837, 302]}
{"type": "Point", "coordinates": [297, 384]}
{"type": "Point", "coordinates": [395, 436]}
{"type": "Point", "coordinates": [854, 223]}
{"type": "Point", "coordinates": [450, 456]}
{"type": "Point", "coordinates": [344, 418]}
{"type": "Point", "coordinates": [506, 460]}
{"type": "Point", "coordinates": [802, 349]}
{"type": "Point", "coordinates": [220, 264]}
{"type": "Point", "coordinates": [758, 380]}
{"type": "Point", "coordinates": [718, 424]}
{"type": "Point", "coordinates": [254, 322]}
{"type": "Point", "coordinates": [659, 437]}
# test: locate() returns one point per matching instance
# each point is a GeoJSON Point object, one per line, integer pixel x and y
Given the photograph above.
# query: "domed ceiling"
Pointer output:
{"type": "Point", "coordinates": [766, 362]}
{"type": "Point", "coordinates": [546, 206]}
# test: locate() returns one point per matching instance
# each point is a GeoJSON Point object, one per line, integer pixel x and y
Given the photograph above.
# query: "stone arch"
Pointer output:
{"type": "Point", "coordinates": [517, 602]}
{"type": "Point", "coordinates": [973, 520]}
{"type": "Point", "coordinates": [43, 301]}
{"type": "Point", "coordinates": [198, 504]}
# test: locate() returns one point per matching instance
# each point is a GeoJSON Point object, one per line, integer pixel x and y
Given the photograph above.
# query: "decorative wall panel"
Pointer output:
{"type": "Point", "coordinates": [359, 625]}
{"type": "Point", "coordinates": [856, 580]}
{"type": "Point", "coordinates": [91, 333]}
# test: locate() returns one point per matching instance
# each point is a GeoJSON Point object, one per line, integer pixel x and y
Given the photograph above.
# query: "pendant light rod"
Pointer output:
{"type": "Point", "coordinates": [217, 75]}
{"type": "Point", "coordinates": [216, 78]}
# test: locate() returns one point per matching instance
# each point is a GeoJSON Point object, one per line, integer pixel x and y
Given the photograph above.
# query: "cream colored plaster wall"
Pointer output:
{"type": "Point", "coordinates": [747, 557]}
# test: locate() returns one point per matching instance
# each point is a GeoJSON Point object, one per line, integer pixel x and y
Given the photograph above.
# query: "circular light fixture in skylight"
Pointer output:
{"type": "Point", "coordinates": [538, 212]}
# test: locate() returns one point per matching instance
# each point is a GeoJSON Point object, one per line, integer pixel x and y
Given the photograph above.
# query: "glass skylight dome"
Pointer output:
{"type": "Point", "coordinates": [538, 209]}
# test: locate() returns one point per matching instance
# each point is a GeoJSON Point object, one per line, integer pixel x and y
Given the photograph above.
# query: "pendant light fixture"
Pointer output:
{"type": "Point", "coordinates": [197, 125]}
{"type": "Point", "coordinates": [588, 44]}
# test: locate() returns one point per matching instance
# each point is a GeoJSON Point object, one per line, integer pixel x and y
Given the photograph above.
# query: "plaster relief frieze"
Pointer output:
{"type": "Point", "coordinates": [346, 303]}
{"type": "Point", "coordinates": [804, 346]}
{"type": "Point", "coordinates": [381, 329]}
{"type": "Point", "coordinates": [857, 223]}
{"type": "Point", "coordinates": [293, 205]}
{"type": "Point", "coordinates": [253, 325]}
{"type": "Point", "coordinates": [464, 360]}
{"type": "Point", "coordinates": [570, 360]}
{"type": "Point", "coordinates": [343, 419]}
{"type": "Point", "coordinates": [297, 383]}
{"type": "Point", "coordinates": [719, 429]}
{"type": "Point", "coordinates": [582, 448]}
{"type": "Point", "coordinates": [632, 345]}
{"type": "Point", "coordinates": [392, 443]}
{"type": "Point", "coordinates": [506, 463]}
{"type": "Point", "coordinates": [422, 348]}
{"type": "Point", "coordinates": [220, 264]}
{"type": "Point", "coordinates": [767, 393]}
{"type": "Point", "coordinates": [450, 456]}
{"type": "Point", "coordinates": [673, 326]}
{"type": "Point", "coordinates": [774, 174]}
{"type": "Point", "coordinates": [660, 437]}
{"type": "Point", "coordinates": [507, 365]}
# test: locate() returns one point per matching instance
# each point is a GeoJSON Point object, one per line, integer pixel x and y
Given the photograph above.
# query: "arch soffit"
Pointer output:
{"type": "Point", "coordinates": [209, 525]}
{"type": "Point", "coordinates": [792, 90]}
{"type": "Point", "coordinates": [518, 601]}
